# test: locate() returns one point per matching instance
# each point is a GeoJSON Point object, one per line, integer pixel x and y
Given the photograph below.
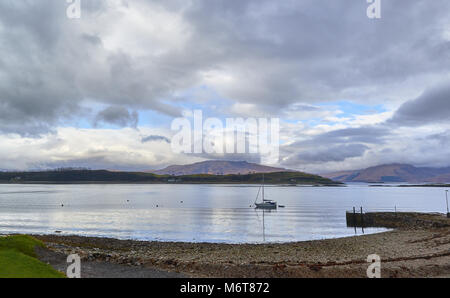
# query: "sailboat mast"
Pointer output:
{"type": "Point", "coordinates": [263, 188]}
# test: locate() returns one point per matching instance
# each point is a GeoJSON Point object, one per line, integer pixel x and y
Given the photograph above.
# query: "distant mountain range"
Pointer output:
{"type": "Point", "coordinates": [218, 167]}
{"type": "Point", "coordinates": [393, 173]}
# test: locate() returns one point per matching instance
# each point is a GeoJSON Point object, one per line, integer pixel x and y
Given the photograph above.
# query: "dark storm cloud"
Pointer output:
{"type": "Point", "coordinates": [333, 153]}
{"type": "Point", "coordinates": [276, 54]}
{"type": "Point", "coordinates": [95, 40]}
{"type": "Point", "coordinates": [442, 138]}
{"type": "Point", "coordinates": [155, 138]}
{"type": "Point", "coordinates": [365, 134]}
{"type": "Point", "coordinates": [49, 66]}
{"type": "Point", "coordinates": [119, 116]}
{"type": "Point", "coordinates": [334, 146]}
{"type": "Point", "coordinates": [430, 108]}
{"type": "Point", "coordinates": [433, 106]}
{"type": "Point", "coordinates": [313, 50]}
{"type": "Point", "coordinates": [281, 57]}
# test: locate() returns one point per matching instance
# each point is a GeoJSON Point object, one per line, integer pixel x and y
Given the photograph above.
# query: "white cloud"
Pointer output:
{"type": "Point", "coordinates": [264, 59]}
{"type": "Point", "coordinates": [95, 148]}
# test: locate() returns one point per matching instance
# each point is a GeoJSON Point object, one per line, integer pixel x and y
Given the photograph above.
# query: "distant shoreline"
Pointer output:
{"type": "Point", "coordinates": [164, 183]}
{"type": "Point", "coordinates": [283, 184]}
{"type": "Point", "coordinates": [412, 185]}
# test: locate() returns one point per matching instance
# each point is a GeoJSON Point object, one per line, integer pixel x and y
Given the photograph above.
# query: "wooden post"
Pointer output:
{"type": "Point", "coordinates": [354, 218]}
{"type": "Point", "coordinates": [362, 220]}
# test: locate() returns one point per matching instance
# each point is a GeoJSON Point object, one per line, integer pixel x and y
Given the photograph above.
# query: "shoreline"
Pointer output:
{"type": "Point", "coordinates": [167, 183]}
{"type": "Point", "coordinates": [108, 238]}
{"type": "Point", "coordinates": [415, 250]}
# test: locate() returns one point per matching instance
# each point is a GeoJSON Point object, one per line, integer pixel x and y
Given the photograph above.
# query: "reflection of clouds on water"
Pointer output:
{"type": "Point", "coordinates": [209, 213]}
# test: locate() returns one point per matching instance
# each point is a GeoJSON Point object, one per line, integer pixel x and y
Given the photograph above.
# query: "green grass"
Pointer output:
{"type": "Point", "coordinates": [18, 259]}
{"type": "Point", "coordinates": [22, 243]}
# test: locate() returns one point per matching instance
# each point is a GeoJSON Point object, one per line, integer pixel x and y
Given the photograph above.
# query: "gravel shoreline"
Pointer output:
{"type": "Point", "coordinates": [413, 251]}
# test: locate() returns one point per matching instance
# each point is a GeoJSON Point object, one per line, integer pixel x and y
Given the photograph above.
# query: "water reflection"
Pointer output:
{"type": "Point", "coordinates": [199, 213]}
{"type": "Point", "coordinates": [261, 215]}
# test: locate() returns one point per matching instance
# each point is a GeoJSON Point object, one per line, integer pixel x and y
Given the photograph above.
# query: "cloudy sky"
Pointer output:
{"type": "Point", "coordinates": [101, 91]}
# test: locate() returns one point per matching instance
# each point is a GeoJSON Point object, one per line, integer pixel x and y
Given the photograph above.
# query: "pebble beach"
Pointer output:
{"type": "Point", "coordinates": [420, 248]}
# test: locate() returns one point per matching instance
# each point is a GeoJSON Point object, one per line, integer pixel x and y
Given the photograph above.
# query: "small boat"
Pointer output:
{"type": "Point", "coordinates": [265, 204]}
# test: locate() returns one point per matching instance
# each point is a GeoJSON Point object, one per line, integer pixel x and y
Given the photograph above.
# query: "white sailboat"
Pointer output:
{"type": "Point", "coordinates": [265, 204]}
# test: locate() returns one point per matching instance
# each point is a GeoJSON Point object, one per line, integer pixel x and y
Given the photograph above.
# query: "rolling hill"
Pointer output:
{"type": "Point", "coordinates": [393, 173]}
{"type": "Point", "coordinates": [217, 167]}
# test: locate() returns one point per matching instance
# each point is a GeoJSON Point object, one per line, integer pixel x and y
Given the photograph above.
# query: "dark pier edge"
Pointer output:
{"type": "Point", "coordinates": [396, 220]}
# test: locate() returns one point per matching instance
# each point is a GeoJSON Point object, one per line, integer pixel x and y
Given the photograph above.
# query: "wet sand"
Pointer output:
{"type": "Point", "coordinates": [413, 250]}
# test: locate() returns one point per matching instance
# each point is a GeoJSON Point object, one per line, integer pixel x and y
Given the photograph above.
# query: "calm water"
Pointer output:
{"type": "Point", "coordinates": [208, 213]}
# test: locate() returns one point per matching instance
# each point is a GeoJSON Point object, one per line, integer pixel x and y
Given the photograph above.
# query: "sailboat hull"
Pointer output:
{"type": "Point", "coordinates": [266, 205]}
